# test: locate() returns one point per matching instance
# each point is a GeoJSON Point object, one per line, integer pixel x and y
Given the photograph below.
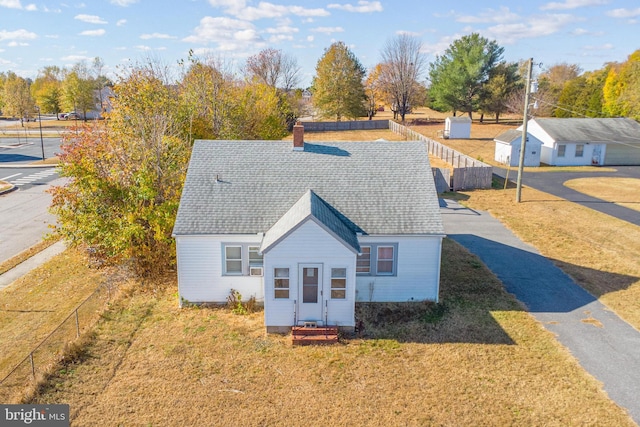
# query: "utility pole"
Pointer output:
{"type": "Point", "coordinates": [525, 120]}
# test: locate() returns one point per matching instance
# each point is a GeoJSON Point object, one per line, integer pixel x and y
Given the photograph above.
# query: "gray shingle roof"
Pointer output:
{"type": "Point", "coordinates": [592, 130]}
{"type": "Point", "coordinates": [509, 136]}
{"type": "Point", "coordinates": [311, 206]}
{"type": "Point", "coordinates": [376, 187]}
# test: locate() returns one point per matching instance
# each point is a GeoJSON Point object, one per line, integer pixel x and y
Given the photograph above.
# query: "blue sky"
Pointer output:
{"type": "Point", "coordinates": [37, 33]}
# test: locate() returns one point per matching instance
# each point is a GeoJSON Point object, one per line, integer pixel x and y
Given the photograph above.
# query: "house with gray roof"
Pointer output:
{"type": "Point", "coordinates": [508, 145]}
{"type": "Point", "coordinates": [587, 141]}
{"type": "Point", "coordinates": [309, 229]}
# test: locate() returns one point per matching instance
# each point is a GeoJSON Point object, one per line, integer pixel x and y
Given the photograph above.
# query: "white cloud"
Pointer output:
{"type": "Point", "coordinates": [17, 35]}
{"type": "Point", "coordinates": [156, 36]}
{"type": "Point", "coordinates": [11, 4]}
{"type": "Point", "coordinates": [17, 44]}
{"type": "Point", "coordinates": [93, 33]}
{"type": "Point", "coordinates": [533, 27]}
{"type": "Point", "coordinates": [229, 34]}
{"type": "Point", "coordinates": [408, 33]}
{"type": "Point", "coordinates": [240, 10]}
{"type": "Point", "coordinates": [363, 7]}
{"type": "Point", "coordinates": [121, 22]}
{"type": "Point", "coordinates": [142, 48]}
{"type": "Point", "coordinates": [572, 4]}
{"type": "Point", "coordinates": [123, 3]}
{"type": "Point", "coordinates": [328, 30]}
{"type": "Point", "coordinates": [624, 13]}
{"type": "Point", "coordinates": [277, 38]}
{"type": "Point", "coordinates": [284, 29]}
{"type": "Point", "coordinates": [310, 38]}
{"type": "Point", "coordinates": [31, 8]}
{"type": "Point", "coordinates": [606, 46]}
{"type": "Point", "coordinates": [91, 19]}
{"type": "Point", "coordinates": [75, 58]}
{"type": "Point", "coordinates": [500, 16]}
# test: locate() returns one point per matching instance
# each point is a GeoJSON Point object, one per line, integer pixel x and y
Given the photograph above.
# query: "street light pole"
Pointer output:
{"type": "Point", "coordinates": [41, 140]}
{"type": "Point", "coordinates": [525, 120]}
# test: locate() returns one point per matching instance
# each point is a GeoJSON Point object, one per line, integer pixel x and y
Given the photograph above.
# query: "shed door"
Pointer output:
{"type": "Point", "coordinates": [622, 154]}
{"type": "Point", "coordinates": [310, 298]}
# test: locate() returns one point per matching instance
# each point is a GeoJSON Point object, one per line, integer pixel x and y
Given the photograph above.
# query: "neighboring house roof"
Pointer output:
{"type": "Point", "coordinates": [459, 119]}
{"type": "Point", "coordinates": [373, 187]}
{"type": "Point", "coordinates": [311, 207]}
{"type": "Point", "coordinates": [605, 131]}
{"type": "Point", "coordinates": [509, 136]}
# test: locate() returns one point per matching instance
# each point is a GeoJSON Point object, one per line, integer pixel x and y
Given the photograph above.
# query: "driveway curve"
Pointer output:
{"type": "Point", "coordinates": [553, 183]}
{"type": "Point", "coordinates": [605, 345]}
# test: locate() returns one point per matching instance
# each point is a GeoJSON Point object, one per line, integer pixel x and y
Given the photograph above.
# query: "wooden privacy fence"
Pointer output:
{"type": "Point", "coordinates": [468, 173]}
{"type": "Point", "coordinates": [346, 125]}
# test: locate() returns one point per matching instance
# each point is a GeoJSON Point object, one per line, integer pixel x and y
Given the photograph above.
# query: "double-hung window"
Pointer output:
{"type": "Point", "coordinates": [281, 283]}
{"type": "Point", "coordinates": [338, 283]}
{"type": "Point", "coordinates": [242, 259]}
{"type": "Point", "coordinates": [377, 259]}
{"type": "Point", "coordinates": [579, 150]}
{"type": "Point", "coordinates": [562, 149]}
{"type": "Point", "coordinates": [233, 260]}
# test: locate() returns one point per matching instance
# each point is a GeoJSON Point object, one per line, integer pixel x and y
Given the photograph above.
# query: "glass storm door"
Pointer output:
{"type": "Point", "coordinates": [310, 293]}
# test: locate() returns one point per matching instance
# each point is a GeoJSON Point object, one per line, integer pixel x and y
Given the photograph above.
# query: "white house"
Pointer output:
{"type": "Point", "coordinates": [508, 145]}
{"type": "Point", "coordinates": [309, 229]}
{"type": "Point", "coordinates": [457, 127]}
{"type": "Point", "coordinates": [587, 141]}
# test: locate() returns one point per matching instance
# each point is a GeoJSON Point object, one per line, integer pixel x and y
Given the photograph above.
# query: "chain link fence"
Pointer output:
{"type": "Point", "coordinates": [52, 348]}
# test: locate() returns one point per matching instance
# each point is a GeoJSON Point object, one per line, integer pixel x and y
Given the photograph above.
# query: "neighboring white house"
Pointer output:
{"type": "Point", "coordinates": [457, 127]}
{"type": "Point", "coordinates": [508, 145]}
{"type": "Point", "coordinates": [587, 141]}
{"type": "Point", "coordinates": [309, 229]}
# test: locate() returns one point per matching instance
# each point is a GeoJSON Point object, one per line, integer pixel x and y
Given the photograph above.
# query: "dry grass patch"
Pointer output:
{"type": "Point", "coordinates": [35, 304]}
{"type": "Point", "coordinates": [480, 361]}
{"type": "Point", "coordinates": [599, 252]}
{"type": "Point", "coordinates": [621, 191]}
{"type": "Point", "coordinates": [4, 186]}
{"type": "Point", "coordinates": [26, 254]}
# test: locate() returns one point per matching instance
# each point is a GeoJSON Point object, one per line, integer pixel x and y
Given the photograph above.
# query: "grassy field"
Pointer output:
{"type": "Point", "coordinates": [478, 359]}
{"type": "Point", "coordinates": [35, 304]}
{"type": "Point", "coordinates": [621, 191]}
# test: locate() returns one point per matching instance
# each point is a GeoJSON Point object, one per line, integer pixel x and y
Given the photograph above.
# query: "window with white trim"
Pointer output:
{"type": "Point", "coordinates": [233, 260]}
{"type": "Point", "coordinates": [281, 283]}
{"type": "Point", "coordinates": [385, 260]}
{"type": "Point", "coordinates": [579, 150]}
{"type": "Point", "coordinates": [562, 149]}
{"type": "Point", "coordinates": [241, 259]}
{"type": "Point", "coordinates": [363, 263]}
{"type": "Point", "coordinates": [377, 259]}
{"type": "Point", "coordinates": [338, 283]}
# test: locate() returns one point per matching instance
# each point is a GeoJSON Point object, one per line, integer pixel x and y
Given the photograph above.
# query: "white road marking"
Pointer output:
{"type": "Point", "coordinates": [10, 176]}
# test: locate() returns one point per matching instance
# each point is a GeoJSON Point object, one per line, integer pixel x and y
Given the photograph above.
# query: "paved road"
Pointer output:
{"type": "Point", "coordinates": [24, 218]}
{"type": "Point", "coordinates": [552, 183]}
{"type": "Point", "coordinates": [610, 352]}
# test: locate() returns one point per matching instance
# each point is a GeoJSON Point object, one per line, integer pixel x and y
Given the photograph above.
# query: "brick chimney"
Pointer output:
{"type": "Point", "coordinates": [298, 137]}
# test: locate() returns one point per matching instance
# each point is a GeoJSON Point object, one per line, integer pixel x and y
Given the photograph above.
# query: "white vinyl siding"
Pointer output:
{"type": "Point", "coordinates": [417, 275]}
{"type": "Point", "coordinates": [200, 270]}
{"type": "Point", "coordinates": [309, 244]}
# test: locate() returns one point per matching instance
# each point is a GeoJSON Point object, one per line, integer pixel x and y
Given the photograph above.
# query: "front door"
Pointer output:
{"type": "Point", "coordinates": [310, 293]}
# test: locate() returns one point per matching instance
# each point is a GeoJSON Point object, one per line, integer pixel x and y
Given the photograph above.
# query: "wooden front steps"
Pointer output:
{"type": "Point", "coordinates": [318, 335]}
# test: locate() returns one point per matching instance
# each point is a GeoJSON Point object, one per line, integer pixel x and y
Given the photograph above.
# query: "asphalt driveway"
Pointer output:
{"type": "Point", "coordinates": [605, 345]}
{"type": "Point", "coordinates": [553, 183]}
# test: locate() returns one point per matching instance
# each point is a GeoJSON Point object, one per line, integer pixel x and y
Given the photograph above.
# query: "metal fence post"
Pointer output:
{"type": "Point", "coordinates": [77, 325]}
{"type": "Point", "coordinates": [33, 366]}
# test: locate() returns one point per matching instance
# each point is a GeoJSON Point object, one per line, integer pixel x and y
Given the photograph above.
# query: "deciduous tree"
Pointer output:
{"type": "Point", "coordinates": [338, 89]}
{"type": "Point", "coordinates": [17, 98]}
{"type": "Point", "coordinates": [503, 81]}
{"type": "Point", "coordinates": [274, 68]}
{"type": "Point", "coordinates": [47, 89]}
{"type": "Point", "coordinates": [403, 66]}
{"type": "Point", "coordinates": [126, 175]}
